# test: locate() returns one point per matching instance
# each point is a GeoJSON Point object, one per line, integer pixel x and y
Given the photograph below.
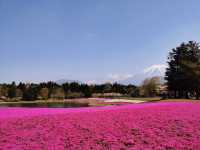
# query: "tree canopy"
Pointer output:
{"type": "Point", "coordinates": [183, 72]}
{"type": "Point", "coordinates": [51, 90]}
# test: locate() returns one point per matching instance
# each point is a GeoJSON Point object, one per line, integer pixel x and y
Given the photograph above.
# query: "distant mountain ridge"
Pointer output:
{"type": "Point", "coordinates": [62, 81]}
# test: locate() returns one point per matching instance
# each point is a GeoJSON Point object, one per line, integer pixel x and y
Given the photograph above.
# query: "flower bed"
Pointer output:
{"type": "Point", "coordinates": [164, 126]}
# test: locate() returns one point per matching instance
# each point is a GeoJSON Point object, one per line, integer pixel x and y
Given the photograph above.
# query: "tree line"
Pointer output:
{"type": "Point", "coordinates": [52, 90]}
{"type": "Point", "coordinates": [183, 72]}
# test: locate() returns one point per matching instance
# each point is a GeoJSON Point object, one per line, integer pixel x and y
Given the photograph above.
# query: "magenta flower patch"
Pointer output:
{"type": "Point", "coordinates": [162, 126]}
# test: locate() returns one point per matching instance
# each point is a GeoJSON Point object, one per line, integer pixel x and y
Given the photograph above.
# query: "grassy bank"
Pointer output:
{"type": "Point", "coordinates": [85, 102]}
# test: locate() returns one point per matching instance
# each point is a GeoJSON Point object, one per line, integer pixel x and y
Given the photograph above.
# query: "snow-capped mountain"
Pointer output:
{"type": "Point", "coordinates": [155, 69]}
{"type": "Point", "coordinates": [152, 71]}
{"type": "Point", "coordinates": [137, 79]}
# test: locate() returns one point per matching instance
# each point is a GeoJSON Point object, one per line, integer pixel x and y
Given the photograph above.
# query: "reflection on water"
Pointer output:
{"type": "Point", "coordinates": [47, 104]}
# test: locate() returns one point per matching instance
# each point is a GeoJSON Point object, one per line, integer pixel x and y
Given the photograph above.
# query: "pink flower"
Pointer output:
{"type": "Point", "coordinates": [139, 126]}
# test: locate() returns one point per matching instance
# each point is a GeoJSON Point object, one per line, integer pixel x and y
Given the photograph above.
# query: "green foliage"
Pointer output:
{"type": "Point", "coordinates": [183, 73]}
{"type": "Point", "coordinates": [4, 90]}
{"type": "Point", "coordinates": [50, 89]}
{"type": "Point", "coordinates": [135, 92]}
{"type": "Point", "coordinates": [72, 95]}
{"type": "Point", "coordinates": [74, 87]}
{"type": "Point", "coordinates": [150, 86]}
{"type": "Point", "coordinates": [118, 88]}
{"type": "Point", "coordinates": [58, 93]}
{"type": "Point", "coordinates": [86, 90]}
{"type": "Point", "coordinates": [12, 90]}
{"type": "Point", "coordinates": [44, 93]}
{"type": "Point", "coordinates": [30, 92]}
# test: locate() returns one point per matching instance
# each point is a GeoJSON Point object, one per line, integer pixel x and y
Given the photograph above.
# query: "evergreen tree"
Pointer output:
{"type": "Point", "coordinates": [31, 92]}
{"type": "Point", "coordinates": [192, 68]}
{"type": "Point", "coordinates": [85, 89]}
{"type": "Point", "coordinates": [12, 90]}
{"type": "Point", "coordinates": [183, 72]}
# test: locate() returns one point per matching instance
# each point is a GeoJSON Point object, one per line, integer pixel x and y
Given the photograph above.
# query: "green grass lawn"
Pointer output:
{"type": "Point", "coordinates": [142, 98]}
{"type": "Point", "coordinates": [89, 102]}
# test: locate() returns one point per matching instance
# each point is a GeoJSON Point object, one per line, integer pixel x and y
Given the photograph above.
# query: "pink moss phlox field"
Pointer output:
{"type": "Point", "coordinates": [160, 126]}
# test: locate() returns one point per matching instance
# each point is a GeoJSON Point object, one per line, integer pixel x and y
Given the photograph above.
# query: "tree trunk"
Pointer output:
{"type": "Point", "coordinates": [197, 94]}
{"type": "Point", "coordinates": [186, 95]}
{"type": "Point", "coordinates": [175, 94]}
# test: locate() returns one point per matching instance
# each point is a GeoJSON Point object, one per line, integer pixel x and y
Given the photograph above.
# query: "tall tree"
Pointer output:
{"type": "Point", "coordinates": [12, 90]}
{"type": "Point", "coordinates": [192, 68]}
{"type": "Point", "coordinates": [183, 66]}
{"type": "Point", "coordinates": [86, 90]}
{"type": "Point", "coordinates": [150, 87]}
{"type": "Point", "coordinates": [30, 92]}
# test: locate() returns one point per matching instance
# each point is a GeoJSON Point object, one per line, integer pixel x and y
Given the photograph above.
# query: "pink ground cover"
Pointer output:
{"type": "Point", "coordinates": [164, 126]}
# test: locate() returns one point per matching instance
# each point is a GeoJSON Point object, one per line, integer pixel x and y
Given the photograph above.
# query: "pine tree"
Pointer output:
{"type": "Point", "coordinates": [12, 90]}
{"type": "Point", "coordinates": [183, 72]}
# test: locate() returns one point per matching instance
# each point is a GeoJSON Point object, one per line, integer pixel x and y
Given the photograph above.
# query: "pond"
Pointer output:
{"type": "Point", "coordinates": [45, 104]}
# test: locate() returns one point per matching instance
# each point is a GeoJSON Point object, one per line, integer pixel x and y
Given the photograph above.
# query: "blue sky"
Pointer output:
{"type": "Point", "coordinates": [44, 40]}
